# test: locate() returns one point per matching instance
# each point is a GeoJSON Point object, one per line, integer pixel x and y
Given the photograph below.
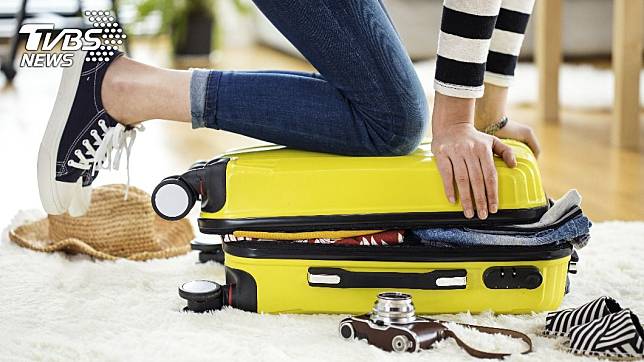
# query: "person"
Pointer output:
{"type": "Point", "coordinates": [366, 99]}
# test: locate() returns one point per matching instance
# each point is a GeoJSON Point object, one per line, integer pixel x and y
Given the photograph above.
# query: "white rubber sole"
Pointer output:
{"type": "Point", "coordinates": [81, 201]}
{"type": "Point", "coordinates": [57, 196]}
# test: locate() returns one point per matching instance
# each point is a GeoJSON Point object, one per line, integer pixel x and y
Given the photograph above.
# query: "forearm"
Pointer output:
{"type": "Point", "coordinates": [491, 107]}
{"type": "Point", "coordinates": [450, 111]}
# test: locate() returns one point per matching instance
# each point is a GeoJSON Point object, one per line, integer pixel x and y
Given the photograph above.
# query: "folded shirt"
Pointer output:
{"type": "Point", "coordinates": [563, 222]}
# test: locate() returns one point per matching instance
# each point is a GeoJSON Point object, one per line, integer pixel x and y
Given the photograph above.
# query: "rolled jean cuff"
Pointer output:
{"type": "Point", "coordinates": [204, 85]}
{"type": "Point", "coordinates": [458, 91]}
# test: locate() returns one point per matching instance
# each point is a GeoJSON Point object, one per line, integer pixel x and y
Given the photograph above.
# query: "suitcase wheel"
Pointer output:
{"type": "Point", "coordinates": [202, 296]}
{"type": "Point", "coordinates": [173, 199]}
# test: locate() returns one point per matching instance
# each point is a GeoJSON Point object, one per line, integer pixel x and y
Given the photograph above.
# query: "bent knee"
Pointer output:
{"type": "Point", "coordinates": [395, 126]}
{"type": "Point", "coordinates": [406, 132]}
{"type": "Point", "coordinates": [401, 145]}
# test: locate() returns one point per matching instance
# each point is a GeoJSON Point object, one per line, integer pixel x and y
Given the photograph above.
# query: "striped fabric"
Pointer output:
{"type": "Point", "coordinates": [468, 40]}
{"type": "Point", "coordinates": [506, 42]}
{"type": "Point", "coordinates": [382, 238]}
{"type": "Point", "coordinates": [561, 322]}
{"type": "Point", "coordinates": [617, 335]}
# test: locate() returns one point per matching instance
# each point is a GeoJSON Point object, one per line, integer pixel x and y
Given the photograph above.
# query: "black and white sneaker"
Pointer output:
{"type": "Point", "coordinates": [79, 138]}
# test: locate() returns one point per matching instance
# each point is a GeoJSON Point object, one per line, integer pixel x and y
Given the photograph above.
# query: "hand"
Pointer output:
{"type": "Point", "coordinates": [520, 132]}
{"type": "Point", "coordinates": [465, 155]}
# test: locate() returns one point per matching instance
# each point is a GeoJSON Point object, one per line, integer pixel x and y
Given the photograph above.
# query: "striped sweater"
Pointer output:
{"type": "Point", "coordinates": [479, 42]}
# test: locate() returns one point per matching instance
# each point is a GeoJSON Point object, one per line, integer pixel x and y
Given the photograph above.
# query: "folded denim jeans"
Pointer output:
{"type": "Point", "coordinates": [563, 222]}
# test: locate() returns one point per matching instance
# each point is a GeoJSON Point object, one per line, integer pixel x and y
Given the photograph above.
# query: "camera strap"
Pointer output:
{"type": "Point", "coordinates": [489, 330]}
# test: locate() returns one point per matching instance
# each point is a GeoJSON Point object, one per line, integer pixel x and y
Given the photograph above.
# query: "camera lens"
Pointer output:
{"type": "Point", "coordinates": [393, 307]}
{"type": "Point", "coordinates": [394, 296]}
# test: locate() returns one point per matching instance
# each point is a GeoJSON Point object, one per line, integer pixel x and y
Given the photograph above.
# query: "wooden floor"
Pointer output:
{"type": "Point", "coordinates": [576, 154]}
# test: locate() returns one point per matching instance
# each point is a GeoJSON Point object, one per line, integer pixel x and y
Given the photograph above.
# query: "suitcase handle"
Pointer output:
{"type": "Point", "coordinates": [447, 279]}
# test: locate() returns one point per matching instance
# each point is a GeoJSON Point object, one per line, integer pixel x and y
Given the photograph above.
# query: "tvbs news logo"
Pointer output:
{"type": "Point", "coordinates": [100, 41]}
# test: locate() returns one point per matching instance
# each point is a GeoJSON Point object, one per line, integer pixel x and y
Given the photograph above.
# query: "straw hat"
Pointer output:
{"type": "Point", "coordinates": [112, 228]}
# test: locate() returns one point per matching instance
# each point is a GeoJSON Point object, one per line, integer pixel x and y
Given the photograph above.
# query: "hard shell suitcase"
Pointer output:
{"type": "Point", "coordinates": [279, 189]}
{"type": "Point", "coordinates": [275, 189]}
{"type": "Point", "coordinates": [276, 277]}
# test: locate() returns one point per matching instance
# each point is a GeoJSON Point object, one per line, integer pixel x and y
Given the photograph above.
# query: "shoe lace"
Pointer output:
{"type": "Point", "coordinates": [98, 151]}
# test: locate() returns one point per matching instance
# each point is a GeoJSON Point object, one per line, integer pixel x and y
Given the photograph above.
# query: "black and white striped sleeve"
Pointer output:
{"type": "Point", "coordinates": [506, 42]}
{"type": "Point", "coordinates": [463, 44]}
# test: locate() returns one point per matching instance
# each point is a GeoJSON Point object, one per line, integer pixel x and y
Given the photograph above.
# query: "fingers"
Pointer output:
{"type": "Point", "coordinates": [532, 142]}
{"type": "Point", "coordinates": [491, 182]}
{"type": "Point", "coordinates": [504, 151]}
{"type": "Point", "coordinates": [463, 185]}
{"type": "Point", "coordinates": [445, 169]}
{"type": "Point", "coordinates": [473, 163]}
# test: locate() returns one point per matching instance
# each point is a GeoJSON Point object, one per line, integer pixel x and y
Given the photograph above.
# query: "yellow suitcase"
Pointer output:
{"type": "Point", "coordinates": [303, 278]}
{"type": "Point", "coordinates": [279, 189]}
{"type": "Point", "coordinates": [276, 189]}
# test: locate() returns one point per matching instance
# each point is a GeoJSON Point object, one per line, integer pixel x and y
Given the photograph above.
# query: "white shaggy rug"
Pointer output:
{"type": "Point", "coordinates": [57, 307]}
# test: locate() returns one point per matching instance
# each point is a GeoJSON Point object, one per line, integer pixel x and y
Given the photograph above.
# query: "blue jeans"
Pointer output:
{"type": "Point", "coordinates": [366, 101]}
{"type": "Point", "coordinates": [575, 231]}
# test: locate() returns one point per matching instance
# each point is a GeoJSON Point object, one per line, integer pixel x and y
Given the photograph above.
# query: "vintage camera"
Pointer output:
{"type": "Point", "coordinates": [393, 325]}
